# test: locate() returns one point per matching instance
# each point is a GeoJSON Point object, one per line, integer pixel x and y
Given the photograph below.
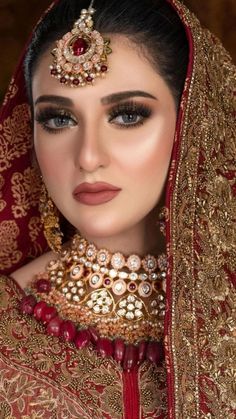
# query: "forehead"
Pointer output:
{"type": "Point", "coordinates": [129, 69]}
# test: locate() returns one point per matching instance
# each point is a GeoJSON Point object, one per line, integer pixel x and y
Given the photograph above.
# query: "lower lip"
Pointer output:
{"type": "Point", "coordinates": [96, 198]}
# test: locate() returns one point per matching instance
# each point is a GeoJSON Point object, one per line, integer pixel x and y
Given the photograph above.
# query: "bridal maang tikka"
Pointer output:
{"type": "Point", "coordinates": [81, 55]}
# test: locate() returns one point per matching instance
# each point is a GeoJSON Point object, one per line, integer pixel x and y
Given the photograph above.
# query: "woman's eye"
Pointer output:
{"type": "Point", "coordinates": [60, 122]}
{"type": "Point", "coordinates": [129, 115]}
{"type": "Point", "coordinates": [54, 122]}
{"type": "Point", "coordinates": [127, 119]}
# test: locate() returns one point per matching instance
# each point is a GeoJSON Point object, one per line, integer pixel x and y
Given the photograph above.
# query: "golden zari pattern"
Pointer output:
{"type": "Point", "coordinates": [203, 231]}
{"type": "Point", "coordinates": [47, 378]}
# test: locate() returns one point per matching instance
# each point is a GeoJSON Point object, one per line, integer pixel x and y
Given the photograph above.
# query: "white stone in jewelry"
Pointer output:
{"type": "Point", "coordinates": [150, 263]}
{"type": "Point", "coordinates": [113, 273]}
{"type": "Point", "coordinates": [91, 252]}
{"type": "Point", "coordinates": [96, 309]}
{"type": "Point", "coordinates": [77, 272]}
{"type": "Point", "coordinates": [133, 276]}
{"type": "Point", "coordinates": [105, 310]}
{"type": "Point", "coordinates": [134, 263]}
{"type": "Point", "coordinates": [103, 257]}
{"type": "Point", "coordinates": [95, 281]}
{"type": "Point", "coordinates": [90, 304]}
{"type": "Point", "coordinates": [118, 261]}
{"type": "Point", "coordinates": [138, 313]}
{"type": "Point", "coordinates": [129, 315]}
{"type": "Point", "coordinates": [119, 287]}
{"type": "Point", "coordinates": [145, 289]}
{"type": "Point", "coordinates": [123, 275]}
{"type": "Point", "coordinates": [138, 304]}
{"type": "Point", "coordinates": [131, 298]}
{"type": "Point", "coordinates": [121, 312]}
{"type": "Point", "coordinates": [122, 303]}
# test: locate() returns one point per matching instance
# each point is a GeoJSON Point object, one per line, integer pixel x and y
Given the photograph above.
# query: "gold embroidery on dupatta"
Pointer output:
{"type": "Point", "coordinates": [2, 202]}
{"type": "Point", "coordinates": [34, 228]}
{"type": "Point", "coordinates": [9, 253]}
{"type": "Point", "coordinates": [203, 239]}
{"type": "Point", "coordinates": [25, 190]}
{"type": "Point", "coordinates": [63, 381]}
{"type": "Point", "coordinates": [15, 135]}
{"type": "Point", "coordinates": [153, 391]}
{"type": "Point", "coordinates": [12, 91]}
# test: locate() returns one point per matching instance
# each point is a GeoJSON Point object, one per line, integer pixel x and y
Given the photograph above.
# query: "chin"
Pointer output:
{"type": "Point", "coordinates": [99, 227]}
{"type": "Point", "coordinates": [97, 232]}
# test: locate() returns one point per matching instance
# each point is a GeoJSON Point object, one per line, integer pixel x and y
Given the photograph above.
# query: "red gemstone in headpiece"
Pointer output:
{"type": "Point", "coordinates": [80, 47]}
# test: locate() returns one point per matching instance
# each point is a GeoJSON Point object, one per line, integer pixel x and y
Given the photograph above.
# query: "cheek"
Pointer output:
{"type": "Point", "coordinates": [50, 157]}
{"type": "Point", "coordinates": [146, 157]}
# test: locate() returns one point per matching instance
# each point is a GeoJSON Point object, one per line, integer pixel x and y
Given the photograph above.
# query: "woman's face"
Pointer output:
{"type": "Point", "coordinates": [119, 131]}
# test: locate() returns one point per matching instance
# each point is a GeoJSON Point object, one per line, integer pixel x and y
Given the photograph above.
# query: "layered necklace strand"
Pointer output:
{"type": "Point", "coordinates": [92, 297]}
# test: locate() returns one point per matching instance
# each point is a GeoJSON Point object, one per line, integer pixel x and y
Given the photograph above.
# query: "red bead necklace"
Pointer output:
{"type": "Point", "coordinates": [128, 356]}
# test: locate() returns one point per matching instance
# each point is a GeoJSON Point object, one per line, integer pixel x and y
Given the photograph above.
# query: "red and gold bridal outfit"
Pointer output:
{"type": "Point", "coordinates": [41, 376]}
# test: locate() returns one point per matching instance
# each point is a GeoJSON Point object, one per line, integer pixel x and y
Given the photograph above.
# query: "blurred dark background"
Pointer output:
{"type": "Point", "coordinates": [17, 18]}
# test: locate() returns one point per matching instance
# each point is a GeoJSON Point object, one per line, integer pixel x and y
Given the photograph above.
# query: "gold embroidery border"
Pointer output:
{"type": "Point", "coordinates": [184, 338]}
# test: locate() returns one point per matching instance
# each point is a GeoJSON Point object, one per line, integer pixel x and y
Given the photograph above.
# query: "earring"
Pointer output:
{"type": "Point", "coordinates": [50, 219]}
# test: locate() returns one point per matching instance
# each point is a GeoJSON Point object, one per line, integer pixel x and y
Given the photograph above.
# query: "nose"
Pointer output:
{"type": "Point", "coordinates": [91, 151]}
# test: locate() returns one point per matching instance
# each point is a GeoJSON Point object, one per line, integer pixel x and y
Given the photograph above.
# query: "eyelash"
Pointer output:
{"type": "Point", "coordinates": [132, 109]}
{"type": "Point", "coordinates": [44, 116]}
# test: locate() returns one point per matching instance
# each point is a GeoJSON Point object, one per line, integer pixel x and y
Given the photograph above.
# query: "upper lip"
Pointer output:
{"type": "Point", "coordinates": [94, 187]}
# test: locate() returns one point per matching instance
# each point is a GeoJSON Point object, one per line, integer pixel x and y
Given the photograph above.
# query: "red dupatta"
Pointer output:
{"type": "Point", "coordinates": [201, 229]}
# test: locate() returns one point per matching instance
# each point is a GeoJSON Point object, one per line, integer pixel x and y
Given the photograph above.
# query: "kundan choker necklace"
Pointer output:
{"type": "Point", "coordinates": [92, 297]}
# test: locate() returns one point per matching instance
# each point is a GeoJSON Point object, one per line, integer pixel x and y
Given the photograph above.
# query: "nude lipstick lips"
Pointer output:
{"type": "Point", "coordinates": [95, 193]}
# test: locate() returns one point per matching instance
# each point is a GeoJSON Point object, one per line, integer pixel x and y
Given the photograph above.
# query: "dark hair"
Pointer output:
{"type": "Point", "coordinates": [152, 25]}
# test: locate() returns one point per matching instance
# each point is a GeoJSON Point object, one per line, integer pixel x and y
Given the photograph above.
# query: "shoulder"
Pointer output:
{"type": "Point", "coordinates": [25, 274]}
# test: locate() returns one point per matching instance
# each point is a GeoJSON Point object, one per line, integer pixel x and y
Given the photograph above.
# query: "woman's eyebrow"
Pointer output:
{"type": "Point", "coordinates": [107, 100]}
{"type": "Point", "coordinates": [57, 100]}
{"type": "Point", "coordinates": [117, 97]}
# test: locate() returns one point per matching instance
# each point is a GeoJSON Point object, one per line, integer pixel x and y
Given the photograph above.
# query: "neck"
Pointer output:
{"type": "Point", "coordinates": [140, 239]}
